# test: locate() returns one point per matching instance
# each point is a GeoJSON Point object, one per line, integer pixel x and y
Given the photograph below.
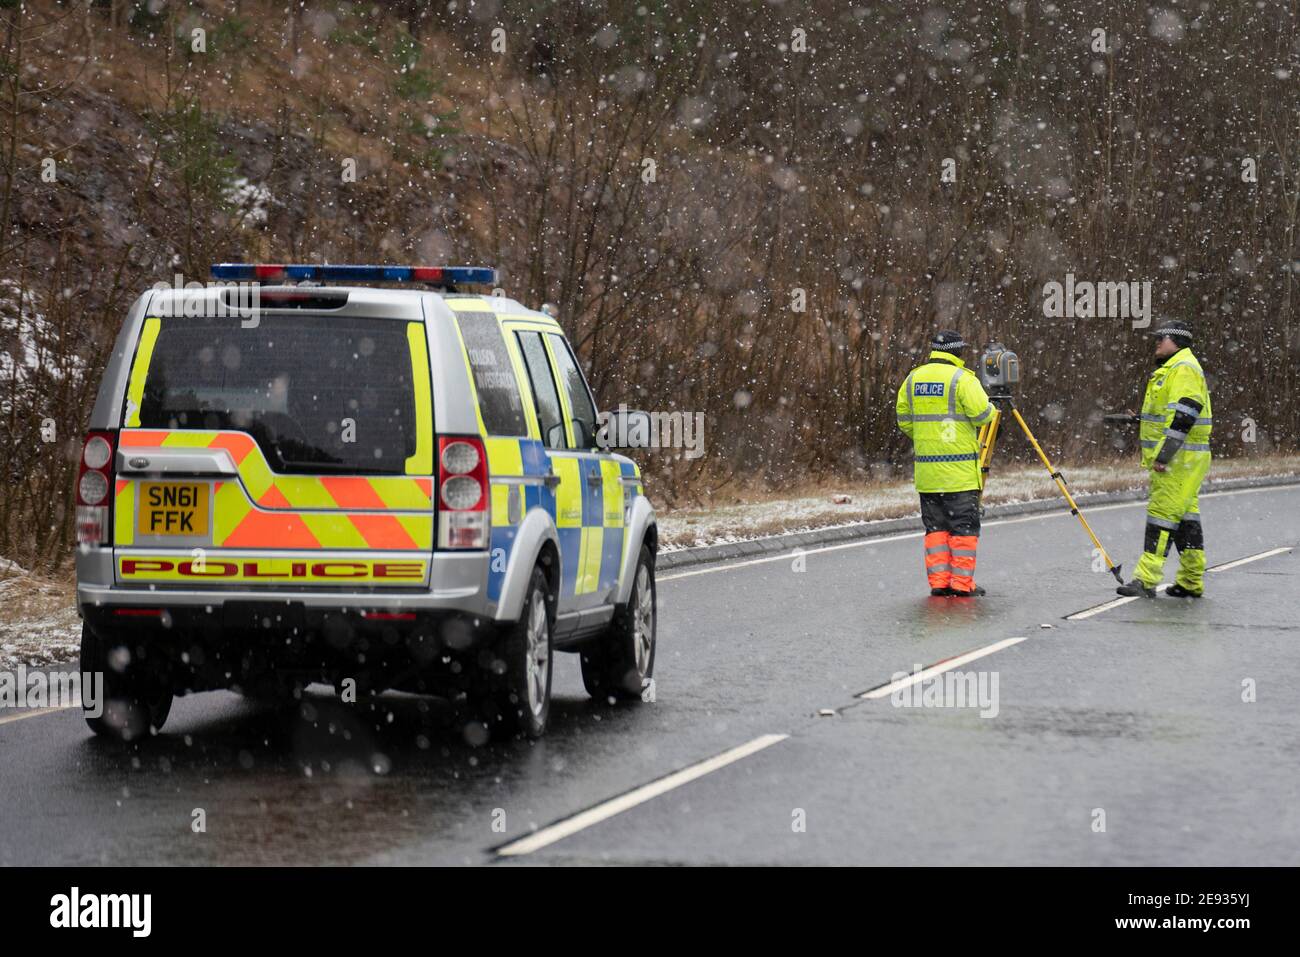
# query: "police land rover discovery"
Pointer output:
{"type": "Point", "coordinates": [392, 488]}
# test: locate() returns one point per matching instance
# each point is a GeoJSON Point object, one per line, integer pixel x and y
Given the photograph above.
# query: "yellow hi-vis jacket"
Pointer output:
{"type": "Point", "coordinates": [1176, 412]}
{"type": "Point", "coordinates": [941, 406]}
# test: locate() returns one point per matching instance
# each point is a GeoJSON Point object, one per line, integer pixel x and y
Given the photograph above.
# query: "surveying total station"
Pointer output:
{"type": "Point", "coordinates": [999, 371]}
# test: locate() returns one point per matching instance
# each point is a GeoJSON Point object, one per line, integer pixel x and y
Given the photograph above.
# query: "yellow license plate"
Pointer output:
{"type": "Point", "coordinates": [173, 508]}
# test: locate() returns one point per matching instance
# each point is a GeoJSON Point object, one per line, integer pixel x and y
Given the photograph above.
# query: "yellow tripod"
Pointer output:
{"type": "Point", "coordinates": [988, 437]}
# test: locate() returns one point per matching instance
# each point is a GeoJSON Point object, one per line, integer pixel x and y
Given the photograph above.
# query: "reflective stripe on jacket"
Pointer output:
{"type": "Point", "coordinates": [941, 406]}
{"type": "Point", "coordinates": [1180, 377]}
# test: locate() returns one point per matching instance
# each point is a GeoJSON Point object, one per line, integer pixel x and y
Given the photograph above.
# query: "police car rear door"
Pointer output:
{"type": "Point", "coordinates": [296, 452]}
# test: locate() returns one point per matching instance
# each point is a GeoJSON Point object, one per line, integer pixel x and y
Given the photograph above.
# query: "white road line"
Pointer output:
{"type": "Point", "coordinates": [1116, 602]}
{"type": "Point", "coordinates": [1248, 559]}
{"type": "Point", "coordinates": [1107, 606]}
{"type": "Point", "coordinates": [939, 667]}
{"type": "Point", "coordinates": [786, 556]}
{"type": "Point", "coordinates": [607, 809]}
{"type": "Point", "coordinates": [725, 566]}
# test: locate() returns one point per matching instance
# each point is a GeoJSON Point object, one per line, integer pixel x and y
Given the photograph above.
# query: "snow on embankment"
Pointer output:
{"type": "Point", "coordinates": [38, 618]}
{"type": "Point", "coordinates": [847, 504]}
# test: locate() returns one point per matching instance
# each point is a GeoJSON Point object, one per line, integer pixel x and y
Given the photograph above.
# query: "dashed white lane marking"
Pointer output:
{"type": "Point", "coordinates": [36, 713]}
{"type": "Point", "coordinates": [1249, 558]}
{"type": "Point", "coordinates": [725, 565]}
{"type": "Point", "coordinates": [607, 809]}
{"type": "Point", "coordinates": [939, 667]}
{"type": "Point", "coordinates": [1116, 602]}
{"type": "Point", "coordinates": [1107, 606]}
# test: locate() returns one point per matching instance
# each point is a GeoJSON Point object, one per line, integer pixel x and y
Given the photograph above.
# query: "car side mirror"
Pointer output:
{"type": "Point", "coordinates": [624, 429]}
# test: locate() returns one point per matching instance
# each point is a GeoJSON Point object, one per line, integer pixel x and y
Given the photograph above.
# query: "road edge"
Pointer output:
{"type": "Point", "coordinates": [774, 544]}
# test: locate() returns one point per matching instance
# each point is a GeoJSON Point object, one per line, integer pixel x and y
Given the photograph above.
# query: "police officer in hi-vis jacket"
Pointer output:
{"type": "Point", "coordinates": [1175, 438]}
{"type": "Point", "coordinates": [941, 406]}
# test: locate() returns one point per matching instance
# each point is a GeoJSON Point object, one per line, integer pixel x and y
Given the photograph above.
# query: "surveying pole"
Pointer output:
{"type": "Point", "coordinates": [1000, 370]}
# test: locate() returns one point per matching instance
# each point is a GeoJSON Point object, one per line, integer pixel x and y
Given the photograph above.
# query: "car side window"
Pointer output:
{"type": "Point", "coordinates": [545, 396]}
{"type": "Point", "coordinates": [580, 404]}
{"type": "Point", "coordinates": [494, 375]}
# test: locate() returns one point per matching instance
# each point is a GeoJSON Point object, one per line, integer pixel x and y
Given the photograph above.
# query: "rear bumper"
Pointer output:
{"type": "Point", "coordinates": [458, 584]}
{"type": "Point", "coordinates": [258, 644]}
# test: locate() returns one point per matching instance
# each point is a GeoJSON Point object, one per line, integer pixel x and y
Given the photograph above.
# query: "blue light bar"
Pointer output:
{"type": "Point", "coordinates": [273, 272]}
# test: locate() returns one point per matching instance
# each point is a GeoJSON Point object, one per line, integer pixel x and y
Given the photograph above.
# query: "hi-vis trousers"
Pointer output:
{"type": "Point", "coordinates": [1174, 518]}
{"type": "Point", "coordinates": [952, 534]}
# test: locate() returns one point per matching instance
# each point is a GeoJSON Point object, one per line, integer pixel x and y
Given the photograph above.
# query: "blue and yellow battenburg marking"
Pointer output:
{"type": "Point", "coordinates": [513, 458]}
{"type": "Point", "coordinates": [588, 517]}
{"type": "Point", "coordinates": [589, 521]}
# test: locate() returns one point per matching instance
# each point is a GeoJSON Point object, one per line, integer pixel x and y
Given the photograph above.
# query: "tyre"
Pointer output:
{"type": "Point", "coordinates": [275, 692]}
{"type": "Point", "coordinates": [134, 702]}
{"type": "Point", "coordinates": [621, 662]}
{"type": "Point", "coordinates": [519, 683]}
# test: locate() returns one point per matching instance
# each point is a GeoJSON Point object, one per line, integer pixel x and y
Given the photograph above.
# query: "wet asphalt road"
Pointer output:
{"type": "Point", "coordinates": [1136, 713]}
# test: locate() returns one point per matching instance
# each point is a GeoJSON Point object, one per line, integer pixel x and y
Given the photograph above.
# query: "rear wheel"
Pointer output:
{"type": "Point", "coordinates": [620, 663]}
{"type": "Point", "coordinates": [519, 684]}
{"type": "Point", "coordinates": [134, 702]}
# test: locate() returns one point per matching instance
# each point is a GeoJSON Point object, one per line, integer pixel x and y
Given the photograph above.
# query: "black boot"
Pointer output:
{"type": "Point", "coordinates": [1135, 589]}
{"type": "Point", "coordinates": [975, 592]}
{"type": "Point", "coordinates": [1178, 591]}
{"type": "Point", "coordinates": [940, 592]}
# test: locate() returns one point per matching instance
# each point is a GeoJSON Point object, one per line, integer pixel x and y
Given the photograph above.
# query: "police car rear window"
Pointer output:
{"type": "Point", "coordinates": [320, 395]}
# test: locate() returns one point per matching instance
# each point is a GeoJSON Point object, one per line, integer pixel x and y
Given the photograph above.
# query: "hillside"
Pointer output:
{"type": "Point", "coordinates": [743, 210]}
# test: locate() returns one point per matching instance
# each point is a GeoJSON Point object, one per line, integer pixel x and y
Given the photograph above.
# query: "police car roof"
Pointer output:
{"type": "Point", "coordinates": [341, 300]}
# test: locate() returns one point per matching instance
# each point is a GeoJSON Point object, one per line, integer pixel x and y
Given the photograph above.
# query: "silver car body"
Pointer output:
{"type": "Point", "coordinates": [489, 583]}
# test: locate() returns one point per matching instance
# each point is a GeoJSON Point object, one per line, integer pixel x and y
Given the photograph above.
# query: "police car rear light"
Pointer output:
{"type": "Point", "coordinates": [97, 452]}
{"type": "Point", "coordinates": [460, 492]}
{"type": "Point", "coordinates": [464, 497]}
{"type": "Point", "coordinates": [293, 298]}
{"type": "Point", "coordinates": [388, 615]}
{"type": "Point", "coordinates": [306, 272]}
{"type": "Point", "coordinates": [92, 525]}
{"type": "Point", "coordinates": [95, 488]}
{"type": "Point", "coordinates": [469, 464]}
{"type": "Point", "coordinates": [463, 530]}
{"type": "Point", "coordinates": [138, 612]}
{"type": "Point", "coordinates": [459, 458]}
{"type": "Point", "coordinates": [92, 487]}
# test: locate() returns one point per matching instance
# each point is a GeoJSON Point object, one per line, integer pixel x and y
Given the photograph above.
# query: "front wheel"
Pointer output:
{"type": "Point", "coordinates": [131, 702]}
{"type": "Point", "coordinates": [621, 662]}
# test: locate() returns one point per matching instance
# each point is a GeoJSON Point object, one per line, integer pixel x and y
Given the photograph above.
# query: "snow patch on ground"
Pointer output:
{"type": "Point", "coordinates": [29, 344]}
{"type": "Point", "coordinates": [23, 332]}
{"type": "Point", "coordinates": [39, 624]}
{"type": "Point", "coordinates": [252, 199]}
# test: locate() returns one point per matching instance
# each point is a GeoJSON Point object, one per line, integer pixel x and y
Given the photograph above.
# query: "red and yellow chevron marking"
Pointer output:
{"type": "Point", "coordinates": [267, 510]}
